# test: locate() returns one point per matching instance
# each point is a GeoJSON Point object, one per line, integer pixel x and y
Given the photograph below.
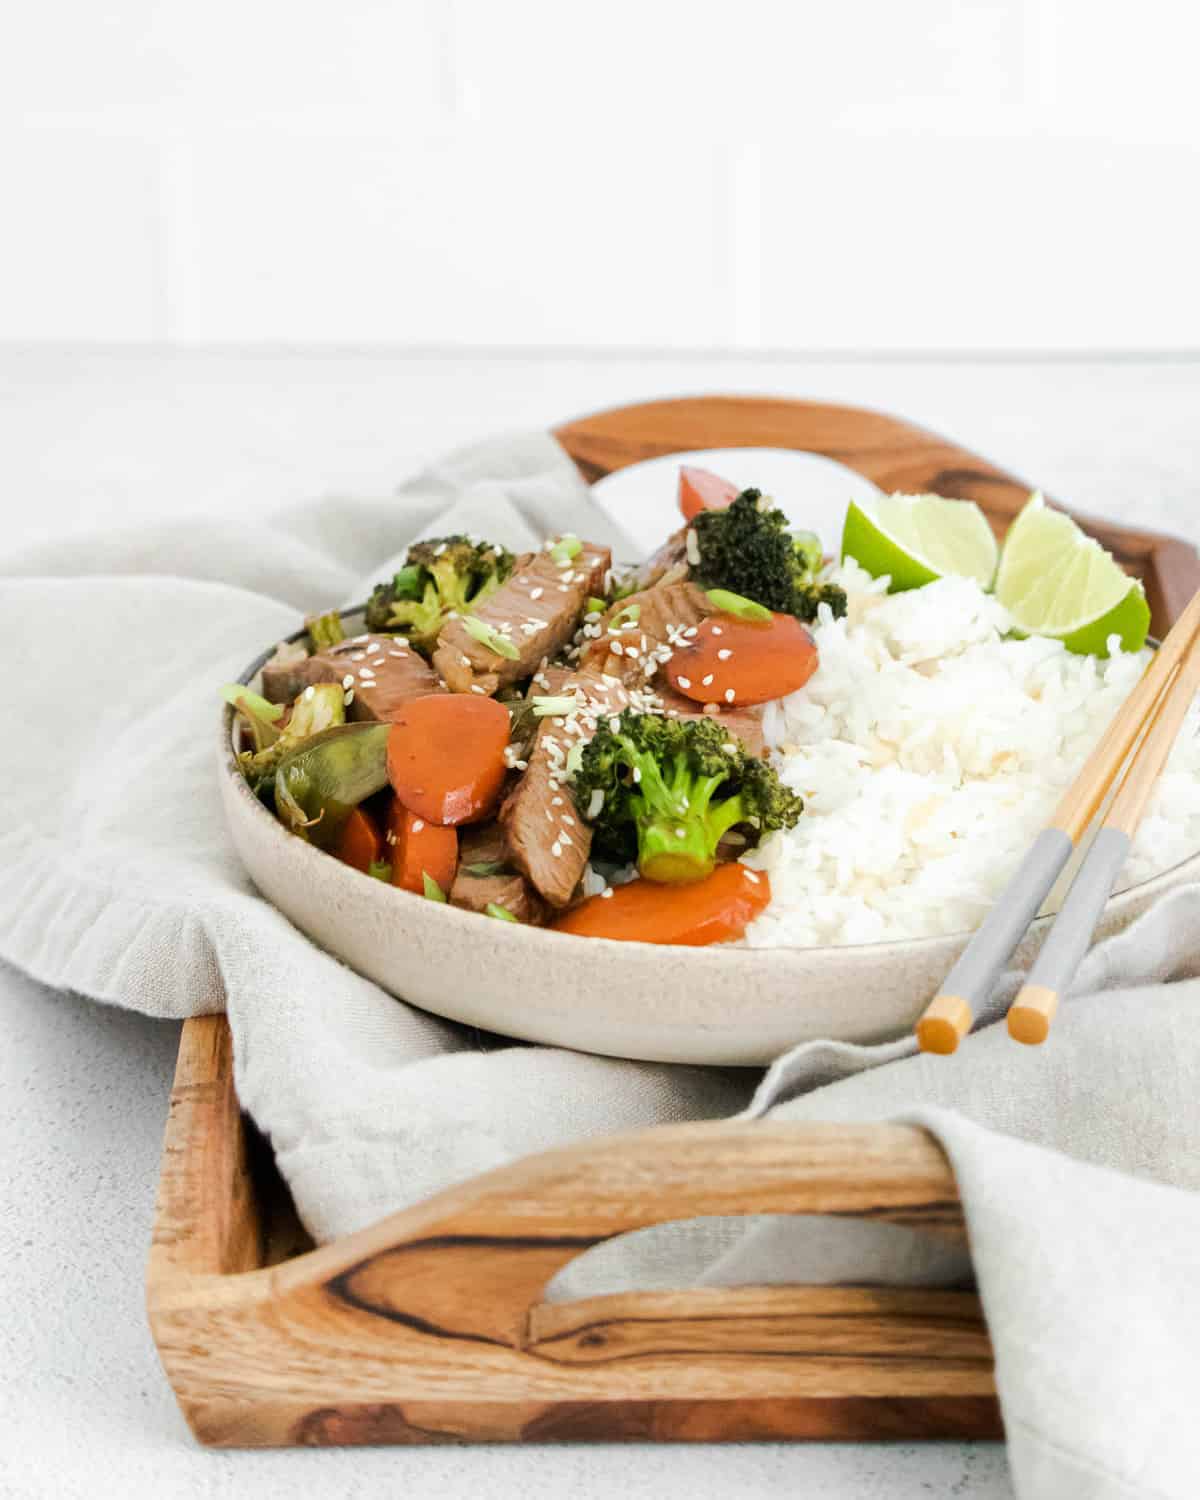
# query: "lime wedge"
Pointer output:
{"type": "Point", "coordinates": [1056, 581]}
{"type": "Point", "coordinates": [917, 538]}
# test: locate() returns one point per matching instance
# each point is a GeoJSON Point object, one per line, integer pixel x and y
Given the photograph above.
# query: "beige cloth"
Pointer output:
{"type": "Point", "coordinates": [1078, 1163]}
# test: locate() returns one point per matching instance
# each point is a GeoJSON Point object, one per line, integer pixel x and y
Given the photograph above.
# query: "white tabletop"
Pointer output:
{"type": "Point", "coordinates": [93, 439]}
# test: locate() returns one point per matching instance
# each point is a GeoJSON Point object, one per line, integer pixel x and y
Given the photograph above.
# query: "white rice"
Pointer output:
{"type": "Point", "coordinates": [929, 750]}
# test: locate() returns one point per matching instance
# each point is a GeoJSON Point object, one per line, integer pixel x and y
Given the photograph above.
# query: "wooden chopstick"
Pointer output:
{"type": "Point", "coordinates": [948, 1017]}
{"type": "Point", "coordinates": [1031, 1013]}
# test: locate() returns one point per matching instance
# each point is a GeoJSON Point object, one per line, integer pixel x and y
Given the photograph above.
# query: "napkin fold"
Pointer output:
{"type": "Point", "coordinates": [1078, 1163]}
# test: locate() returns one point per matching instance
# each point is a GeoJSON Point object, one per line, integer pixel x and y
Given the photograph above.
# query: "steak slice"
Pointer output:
{"type": "Point", "coordinates": [481, 845]}
{"type": "Point", "coordinates": [664, 613]}
{"type": "Point", "coordinates": [544, 835]}
{"type": "Point", "coordinates": [385, 675]}
{"type": "Point", "coordinates": [744, 722]}
{"type": "Point", "coordinates": [536, 610]}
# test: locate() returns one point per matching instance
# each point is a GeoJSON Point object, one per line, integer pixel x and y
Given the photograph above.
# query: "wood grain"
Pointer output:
{"type": "Point", "coordinates": [431, 1326]}
{"type": "Point", "coordinates": [894, 454]}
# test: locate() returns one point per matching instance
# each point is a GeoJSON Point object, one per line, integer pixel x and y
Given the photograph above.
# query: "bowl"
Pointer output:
{"type": "Point", "coordinates": [722, 1005]}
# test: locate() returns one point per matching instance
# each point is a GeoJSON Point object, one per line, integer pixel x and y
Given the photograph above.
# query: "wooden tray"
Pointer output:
{"type": "Point", "coordinates": [429, 1327]}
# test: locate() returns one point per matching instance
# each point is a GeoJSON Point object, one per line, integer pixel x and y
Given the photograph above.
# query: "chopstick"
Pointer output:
{"type": "Point", "coordinates": [947, 1018]}
{"type": "Point", "coordinates": [1031, 1013]}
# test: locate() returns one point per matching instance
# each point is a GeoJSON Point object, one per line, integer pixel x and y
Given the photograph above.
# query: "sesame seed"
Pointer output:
{"type": "Point", "coordinates": [617, 649]}
{"type": "Point", "coordinates": [684, 682]}
{"type": "Point", "coordinates": [358, 656]}
{"type": "Point", "coordinates": [418, 825]}
{"type": "Point", "coordinates": [399, 640]}
{"type": "Point", "coordinates": [374, 646]}
{"type": "Point", "coordinates": [366, 673]}
{"type": "Point", "coordinates": [637, 774]}
{"type": "Point", "coordinates": [750, 875]}
{"type": "Point", "coordinates": [556, 850]}
{"type": "Point", "coordinates": [403, 655]}
{"type": "Point", "coordinates": [359, 638]}
{"type": "Point", "coordinates": [348, 697]}
{"type": "Point", "coordinates": [606, 892]}
{"type": "Point", "coordinates": [729, 695]}
{"type": "Point", "coordinates": [567, 818]}
{"type": "Point", "coordinates": [537, 592]}
{"type": "Point", "coordinates": [716, 630]}
{"type": "Point", "coordinates": [466, 660]}
{"type": "Point", "coordinates": [724, 654]}
{"type": "Point", "coordinates": [556, 802]}
{"type": "Point", "coordinates": [680, 833]}
{"type": "Point", "coordinates": [705, 681]}
{"type": "Point", "coordinates": [475, 688]}
{"type": "Point", "coordinates": [308, 694]}
{"type": "Point", "coordinates": [691, 632]}
{"type": "Point", "coordinates": [348, 680]}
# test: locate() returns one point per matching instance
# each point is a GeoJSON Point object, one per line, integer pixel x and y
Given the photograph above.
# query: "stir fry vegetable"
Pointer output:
{"type": "Point", "coordinates": [748, 550]}
{"type": "Point", "coordinates": [316, 709]}
{"type": "Point", "coordinates": [714, 910]}
{"type": "Point", "coordinates": [318, 784]}
{"type": "Point", "coordinates": [733, 661]}
{"type": "Point", "coordinates": [666, 791]}
{"type": "Point", "coordinates": [445, 756]}
{"type": "Point", "coordinates": [446, 575]}
{"type": "Point", "coordinates": [359, 844]}
{"type": "Point", "coordinates": [700, 489]}
{"type": "Point", "coordinates": [420, 851]}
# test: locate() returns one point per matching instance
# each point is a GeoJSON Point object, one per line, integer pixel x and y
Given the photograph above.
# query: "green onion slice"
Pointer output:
{"type": "Point", "coordinates": [380, 869]}
{"type": "Point", "coordinates": [596, 606]}
{"type": "Point", "coordinates": [251, 703]}
{"type": "Point", "coordinates": [735, 604]}
{"type": "Point", "coordinates": [487, 867]}
{"type": "Point", "coordinates": [565, 549]}
{"type": "Point", "coordinates": [501, 913]}
{"type": "Point", "coordinates": [630, 615]}
{"type": "Point", "coordinates": [545, 707]}
{"type": "Point", "coordinates": [490, 638]}
{"type": "Point", "coordinates": [433, 891]}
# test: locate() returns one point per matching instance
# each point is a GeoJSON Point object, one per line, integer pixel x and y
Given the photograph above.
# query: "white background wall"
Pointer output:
{"type": "Point", "coordinates": [749, 174]}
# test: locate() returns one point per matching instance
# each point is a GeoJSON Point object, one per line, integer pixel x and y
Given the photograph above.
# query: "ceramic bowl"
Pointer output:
{"type": "Point", "coordinates": [722, 1005]}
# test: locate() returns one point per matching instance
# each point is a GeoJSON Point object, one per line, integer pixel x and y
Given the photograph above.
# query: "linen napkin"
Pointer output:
{"type": "Point", "coordinates": [1078, 1163]}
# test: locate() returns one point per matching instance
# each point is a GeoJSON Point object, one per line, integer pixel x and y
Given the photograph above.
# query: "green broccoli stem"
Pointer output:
{"type": "Point", "coordinates": [325, 630]}
{"type": "Point", "coordinates": [678, 827]}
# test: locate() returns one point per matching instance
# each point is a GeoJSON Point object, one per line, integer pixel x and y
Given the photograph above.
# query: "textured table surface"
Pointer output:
{"type": "Point", "coordinates": [96, 439]}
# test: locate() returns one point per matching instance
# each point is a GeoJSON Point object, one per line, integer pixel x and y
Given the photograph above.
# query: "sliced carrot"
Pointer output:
{"type": "Point", "coordinates": [743, 661]}
{"type": "Point", "coordinates": [359, 843]}
{"type": "Point", "coordinates": [699, 489]}
{"type": "Point", "coordinates": [712, 910]}
{"type": "Point", "coordinates": [445, 756]}
{"type": "Point", "coordinates": [418, 848]}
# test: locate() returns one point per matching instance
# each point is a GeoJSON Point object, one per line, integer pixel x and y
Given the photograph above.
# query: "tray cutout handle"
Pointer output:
{"type": "Point", "coordinates": [471, 1264]}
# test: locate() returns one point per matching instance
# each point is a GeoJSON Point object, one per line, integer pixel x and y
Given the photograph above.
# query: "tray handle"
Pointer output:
{"type": "Point", "coordinates": [472, 1262]}
{"type": "Point", "coordinates": [894, 454]}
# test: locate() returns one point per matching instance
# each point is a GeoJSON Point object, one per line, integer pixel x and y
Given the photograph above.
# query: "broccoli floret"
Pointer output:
{"type": "Point", "coordinates": [317, 708]}
{"type": "Point", "coordinates": [666, 791]}
{"type": "Point", "coordinates": [747, 549]}
{"type": "Point", "coordinates": [325, 630]}
{"type": "Point", "coordinates": [445, 574]}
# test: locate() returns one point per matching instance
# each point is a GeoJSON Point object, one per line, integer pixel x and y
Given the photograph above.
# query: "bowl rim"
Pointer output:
{"type": "Point", "coordinates": [522, 931]}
